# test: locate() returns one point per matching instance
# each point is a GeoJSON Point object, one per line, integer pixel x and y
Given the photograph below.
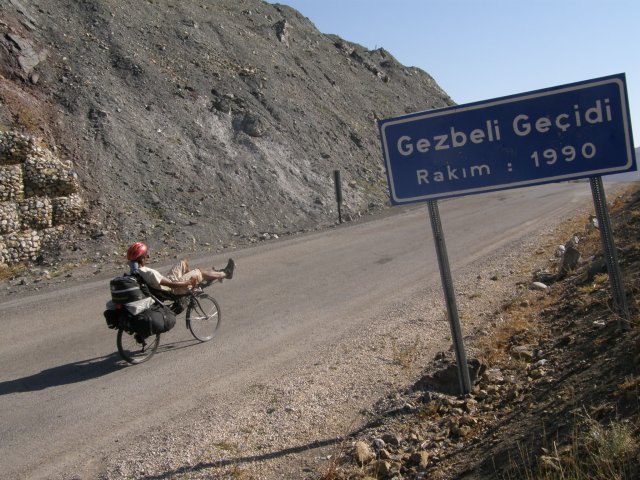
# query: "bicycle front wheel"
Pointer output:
{"type": "Point", "coordinates": [203, 317]}
{"type": "Point", "coordinates": [134, 349]}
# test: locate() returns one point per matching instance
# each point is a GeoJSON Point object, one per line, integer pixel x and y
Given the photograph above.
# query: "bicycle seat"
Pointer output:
{"type": "Point", "coordinates": [163, 295]}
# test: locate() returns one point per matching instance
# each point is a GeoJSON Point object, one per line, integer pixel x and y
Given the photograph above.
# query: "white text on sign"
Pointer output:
{"type": "Point", "coordinates": [522, 125]}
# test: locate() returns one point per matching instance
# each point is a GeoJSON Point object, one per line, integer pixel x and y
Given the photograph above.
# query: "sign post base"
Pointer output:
{"type": "Point", "coordinates": [610, 254]}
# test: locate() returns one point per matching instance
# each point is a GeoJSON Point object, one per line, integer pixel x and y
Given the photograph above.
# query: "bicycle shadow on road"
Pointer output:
{"type": "Point", "coordinates": [176, 345]}
{"type": "Point", "coordinates": [64, 374]}
{"type": "Point", "coordinates": [78, 371]}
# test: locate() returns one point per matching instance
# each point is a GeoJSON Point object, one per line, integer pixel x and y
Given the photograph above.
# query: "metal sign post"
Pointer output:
{"type": "Point", "coordinates": [450, 297]}
{"type": "Point", "coordinates": [338, 185]}
{"type": "Point", "coordinates": [610, 254]}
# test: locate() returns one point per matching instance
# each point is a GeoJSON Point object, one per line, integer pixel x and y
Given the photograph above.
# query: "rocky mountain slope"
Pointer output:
{"type": "Point", "coordinates": [199, 125]}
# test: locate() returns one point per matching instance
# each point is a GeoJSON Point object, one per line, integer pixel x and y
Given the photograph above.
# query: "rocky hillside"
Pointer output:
{"type": "Point", "coordinates": [199, 125]}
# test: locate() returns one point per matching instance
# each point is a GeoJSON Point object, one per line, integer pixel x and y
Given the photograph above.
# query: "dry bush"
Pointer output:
{"type": "Point", "coordinates": [518, 326]}
{"type": "Point", "coordinates": [7, 272]}
{"type": "Point", "coordinates": [595, 452]}
{"type": "Point", "coordinates": [405, 355]}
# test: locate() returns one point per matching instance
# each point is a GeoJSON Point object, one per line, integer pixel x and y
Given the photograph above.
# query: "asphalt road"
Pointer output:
{"type": "Point", "coordinates": [65, 395]}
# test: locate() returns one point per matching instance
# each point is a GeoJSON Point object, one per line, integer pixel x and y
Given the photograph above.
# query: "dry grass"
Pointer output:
{"type": "Point", "coordinates": [405, 355]}
{"type": "Point", "coordinates": [630, 389]}
{"type": "Point", "coordinates": [518, 327]}
{"type": "Point", "coordinates": [7, 272]}
{"type": "Point", "coordinates": [595, 452]}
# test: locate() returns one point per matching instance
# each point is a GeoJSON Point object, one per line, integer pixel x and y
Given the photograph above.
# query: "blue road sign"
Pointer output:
{"type": "Point", "coordinates": [567, 132]}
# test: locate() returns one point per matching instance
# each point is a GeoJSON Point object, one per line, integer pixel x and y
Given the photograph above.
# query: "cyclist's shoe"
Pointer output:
{"type": "Point", "coordinates": [139, 339]}
{"type": "Point", "coordinates": [228, 270]}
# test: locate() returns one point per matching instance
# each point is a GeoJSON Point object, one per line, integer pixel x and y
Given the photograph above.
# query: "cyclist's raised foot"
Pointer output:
{"type": "Point", "coordinates": [228, 270]}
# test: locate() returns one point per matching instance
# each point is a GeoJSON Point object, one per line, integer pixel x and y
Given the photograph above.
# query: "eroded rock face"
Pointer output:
{"type": "Point", "coordinates": [196, 125]}
{"type": "Point", "coordinates": [38, 197]}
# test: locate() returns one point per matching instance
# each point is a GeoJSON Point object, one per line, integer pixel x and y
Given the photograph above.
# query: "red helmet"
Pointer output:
{"type": "Point", "coordinates": [136, 251]}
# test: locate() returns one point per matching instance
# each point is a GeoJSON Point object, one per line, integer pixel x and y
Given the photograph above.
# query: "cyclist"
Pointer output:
{"type": "Point", "coordinates": [181, 277]}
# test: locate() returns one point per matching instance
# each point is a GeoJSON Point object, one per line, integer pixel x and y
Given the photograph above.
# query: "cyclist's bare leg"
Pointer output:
{"type": "Point", "coordinates": [212, 274]}
{"type": "Point", "coordinates": [226, 272]}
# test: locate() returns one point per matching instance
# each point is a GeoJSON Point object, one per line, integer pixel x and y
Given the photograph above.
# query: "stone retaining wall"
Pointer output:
{"type": "Point", "coordinates": [38, 197]}
{"type": "Point", "coordinates": [11, 183]}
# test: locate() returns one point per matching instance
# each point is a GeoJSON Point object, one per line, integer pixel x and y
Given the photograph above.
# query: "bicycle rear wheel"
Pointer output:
{"type": "Point", "coordinates": [134, 351]}
{"type": "Point", "coordinates": [203, 317]}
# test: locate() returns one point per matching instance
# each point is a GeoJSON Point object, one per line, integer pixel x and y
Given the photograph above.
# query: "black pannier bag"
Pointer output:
{"type": "Point", "coordinates": [119, 318]}
{"type": "Point", "coordinates": [125, 289]}
{"type": "Point", "coordinates": [113, 318]}
{"type": "Point", "coordinates": [157, 319]}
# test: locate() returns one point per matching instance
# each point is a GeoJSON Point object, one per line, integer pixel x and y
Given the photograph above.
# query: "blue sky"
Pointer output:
{"type": "Point", "coordinates": [482, 49]}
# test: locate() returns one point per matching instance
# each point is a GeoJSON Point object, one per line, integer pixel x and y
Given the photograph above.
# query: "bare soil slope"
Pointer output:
{"type": "Point", "coordinates": [199, 125]}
